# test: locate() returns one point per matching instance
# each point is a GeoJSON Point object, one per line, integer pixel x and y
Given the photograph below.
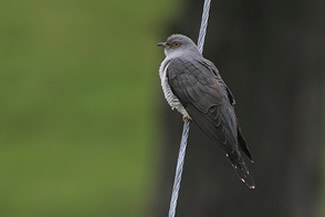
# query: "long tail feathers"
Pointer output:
{"type": "Point", "coordinates": [243, 145]}
{"type": "Point", "coordinates": [241, 169]}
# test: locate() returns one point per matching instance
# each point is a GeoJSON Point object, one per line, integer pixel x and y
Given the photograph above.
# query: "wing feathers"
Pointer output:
{"type": "Point", "coordinates": [209, 102]}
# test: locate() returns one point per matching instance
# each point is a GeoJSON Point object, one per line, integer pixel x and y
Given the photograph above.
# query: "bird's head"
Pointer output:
{"type": "Point", "coordinates": [178, 44]}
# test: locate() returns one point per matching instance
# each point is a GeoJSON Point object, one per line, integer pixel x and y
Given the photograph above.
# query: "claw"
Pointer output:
{"type": "Point", "coordinates": [184, 118]}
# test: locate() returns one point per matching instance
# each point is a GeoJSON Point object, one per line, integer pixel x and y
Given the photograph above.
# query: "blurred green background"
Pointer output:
{"type": "Point", "coordinates": [77, 106]}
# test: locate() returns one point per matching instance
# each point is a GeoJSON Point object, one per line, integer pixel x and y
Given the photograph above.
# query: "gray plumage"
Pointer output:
{"type": "Point", "coordinates": [193, 85]}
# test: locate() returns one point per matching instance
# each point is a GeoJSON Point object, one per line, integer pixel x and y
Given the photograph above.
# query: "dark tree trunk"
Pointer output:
{"type": "Point", "coordinates": [272, 56]}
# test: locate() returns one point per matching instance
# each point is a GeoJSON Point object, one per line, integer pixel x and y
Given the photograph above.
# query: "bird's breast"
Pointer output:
{"type": "Point", "coordinates": [170, 97]}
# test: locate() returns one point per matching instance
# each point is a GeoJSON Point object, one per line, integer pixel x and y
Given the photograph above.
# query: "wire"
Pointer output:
{"type": "Point", "coordinates": [186, 126]}
{"type": "Point", "coordinates": [179, 168]}
{"type": "Point", "coordinates": [204, 24]}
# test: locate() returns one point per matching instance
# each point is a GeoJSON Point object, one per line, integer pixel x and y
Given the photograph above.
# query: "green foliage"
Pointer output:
{"type": "Point", "coordinates": [77, 106]}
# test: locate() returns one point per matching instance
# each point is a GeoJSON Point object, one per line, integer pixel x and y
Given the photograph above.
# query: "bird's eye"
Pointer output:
{"type": "Point", "coordinates": [176, 44]}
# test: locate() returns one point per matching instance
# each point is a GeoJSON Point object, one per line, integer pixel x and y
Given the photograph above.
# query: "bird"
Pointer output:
{"type": "Point", "coordinates": [193, 86]}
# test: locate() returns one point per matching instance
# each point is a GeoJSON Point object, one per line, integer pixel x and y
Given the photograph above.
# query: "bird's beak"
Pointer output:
{"type": "Point", "coordinates": [163, 44]}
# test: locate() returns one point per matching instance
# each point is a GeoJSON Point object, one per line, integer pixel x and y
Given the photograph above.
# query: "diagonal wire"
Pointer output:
{"type": "Point", "coordinates": [186, 126]}
{"type": "Point", "coordinates": [204, 24]}
{"type": "Point", "coordinates": [179, 168]}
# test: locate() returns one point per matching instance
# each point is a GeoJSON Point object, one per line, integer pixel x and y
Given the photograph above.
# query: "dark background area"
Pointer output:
{"type": "Point", "coordinates": [272, 56]}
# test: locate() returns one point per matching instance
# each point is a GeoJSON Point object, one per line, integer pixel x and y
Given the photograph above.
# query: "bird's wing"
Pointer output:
{"type": "Point", "coordinates": [241, 141]}
{"type": "Point", "coordinates": [204, 96]}
{"type": "Point", "coordinates": [208, 101]}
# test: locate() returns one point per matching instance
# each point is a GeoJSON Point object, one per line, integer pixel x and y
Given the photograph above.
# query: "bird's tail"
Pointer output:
{"type": "Point", "coordinates": [241, 169]}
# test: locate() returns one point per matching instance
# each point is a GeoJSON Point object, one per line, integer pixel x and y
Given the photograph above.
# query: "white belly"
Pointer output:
{"type": "Point", "coordinates": [172, 100]}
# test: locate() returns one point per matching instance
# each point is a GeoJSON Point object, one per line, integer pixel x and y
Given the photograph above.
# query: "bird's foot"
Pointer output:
{"type": "Point", "coordinates": [184, 118]}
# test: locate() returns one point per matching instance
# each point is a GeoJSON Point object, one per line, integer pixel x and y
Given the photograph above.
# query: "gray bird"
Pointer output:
{"type": "Point", "coordinates": [193, 85]}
